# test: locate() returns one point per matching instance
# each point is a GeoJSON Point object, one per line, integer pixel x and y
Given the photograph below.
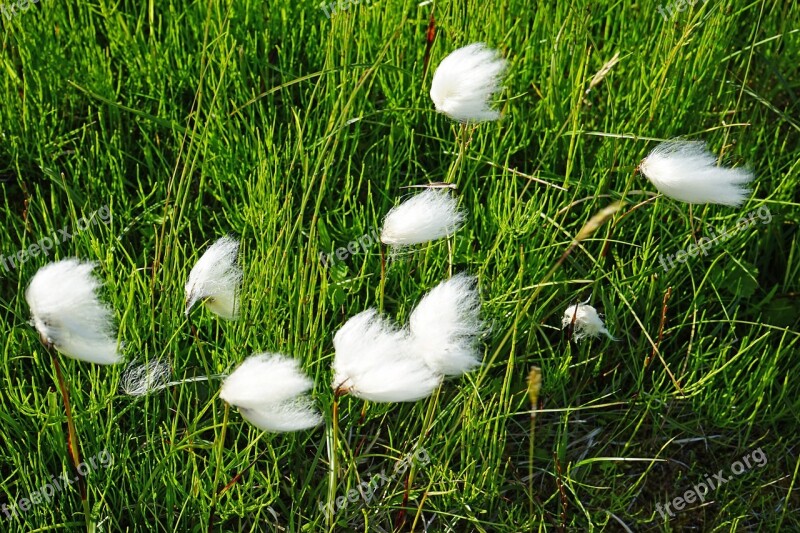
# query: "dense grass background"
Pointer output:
{"type": "Point", "coordinates": [295, 132]}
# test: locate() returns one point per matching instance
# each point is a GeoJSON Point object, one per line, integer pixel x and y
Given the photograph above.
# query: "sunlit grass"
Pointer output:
{"type": "Point", "coordinates": [296, 132]}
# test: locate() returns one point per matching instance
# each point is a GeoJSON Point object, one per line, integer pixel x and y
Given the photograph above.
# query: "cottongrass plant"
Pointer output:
{"type": "Point", "coordinates": [68, 314]}
{"type": "Point", "coordinates": [71, 320]}
{"type": "Point", "coordinates": [269, 389]}
{"type": "Point", "coordinates": [444, 329]}
{"type": "Point", "coordinates": [430, 215]}
{"type": "Point", "coordinates": [215, 279]}
{"type": "Point", "coordinates": [584, 321]}
{"type": "Point", "coordinates": [462, 88]}
{"type": "Point", "coordinates": [687, 171]}
{"type": "Point", "coordinates": [375, 361]}
{"type": "Point", "coordinates": [465, 81]}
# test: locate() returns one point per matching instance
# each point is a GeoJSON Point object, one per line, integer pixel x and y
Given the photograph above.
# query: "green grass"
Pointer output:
{"type": "Point", "coordinates": [191, 120]}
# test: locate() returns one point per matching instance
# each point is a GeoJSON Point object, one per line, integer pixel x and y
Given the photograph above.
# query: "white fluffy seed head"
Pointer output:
{"type": "Point", "coordinates": [424, 217]}
{"type": "Point", "coordinates": [68, 314]}
{"type": "Point", "coordinates": [215, 279]}
{"type": "Point", "coordinates": [268, 389]}
{"type": "Point", "coordinates": [375, 361]}
{"type": "Point", "coordinates": [264, 378]}
{"type": "Point", "coordinates": [687, 171]}
{"type": "Point", "coordinates": [292, 415]}
{"type": "Point", "coordinates": [445, 326]}
{"type": "Point", "coordinates": [585, 321]}
{"type": "Point", "coordinates": [465, 81]}
{"type": "Point", "coordinates": [139, 380]}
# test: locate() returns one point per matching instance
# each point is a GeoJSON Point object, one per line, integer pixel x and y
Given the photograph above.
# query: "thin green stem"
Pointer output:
{"type": "Point", "coordinates": [450, 246]}
{"type": "Point", "coordinates": [461, 140]}
{"type": "Point", "coordinates": [220, 448]}
{"type": "Point", "coordinates": [382, 288]}
{"type": "Point", "coordinates": [333, 478]}
{"type": "Point", "coordinates": [530, 461]}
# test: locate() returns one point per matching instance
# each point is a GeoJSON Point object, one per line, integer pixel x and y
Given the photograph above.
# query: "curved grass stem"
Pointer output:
{"type": "Point", "coordinates": [72, 440]}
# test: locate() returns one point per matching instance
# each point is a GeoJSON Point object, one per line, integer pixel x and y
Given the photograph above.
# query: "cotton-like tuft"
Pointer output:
{"type": "Point", "coordinates": [585, 321]}
{"type": "Point", "coordinates": [269, 390]}
{"type": "Point", "coordinates": [375, 361]}
{"type": "Point", "coordinates": [445, 326]}
{"type": "Point", "coordinates": [139, 380]}
{"type": "Point", "coordinates": [215, 279]}
{"type": "Point", "coordinates": [424, 217]}
{"type": "Point", "coordinates": [292, 415]}
{"type": "Point", "coordinates": [68, 314]}
{"type": "Point", "coordinates": [687, 171]}
{"type": "Point", "coordinates": [465, 81]}
{"type": "Point", "coordinates": [264, 378]}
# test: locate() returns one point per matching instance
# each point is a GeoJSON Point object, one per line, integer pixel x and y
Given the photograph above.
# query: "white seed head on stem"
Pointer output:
{"type": "Point", "coordinates": [687, 171]}
{"type": "Point", "coordinates": [269, 390]}
{"type": "Point", "coordinates": [427, 216]}
{"type": "Point", "coordinates": [585, 322]}
{"type": "Point", "coordinates": [465, 81]}
{"type": "Point", "coordinates": [375, 361]}
{"type": "Point", "coordinates": [215, 279]}
{"type": "Point", "coordinates": [69, 315]}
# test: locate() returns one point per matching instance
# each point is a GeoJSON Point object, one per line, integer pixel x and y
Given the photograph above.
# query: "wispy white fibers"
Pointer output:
{"type": "Point", "coordinates": [424, 217]}
{"type": "Point", "coordinates": [375, 361]}
{"type": "Point", "coordinates": [153, 376]}
{"type": "Point", "coordinates": [465, 81]}
{"type": "Point", "coordinates": [68, 314]}
{"type": "Point", "coordinates": [445, 326]}
{"type": "Point", "coordinates": [687, 171]}
{"type": "Point", "coordinates": [138, 380]}
{"type": "Point", "coordinates": [269, 390]}
{"type": "Point", "coordinates": [585, 321]}
{"type": "Point", "coordinates": [215, 279]}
